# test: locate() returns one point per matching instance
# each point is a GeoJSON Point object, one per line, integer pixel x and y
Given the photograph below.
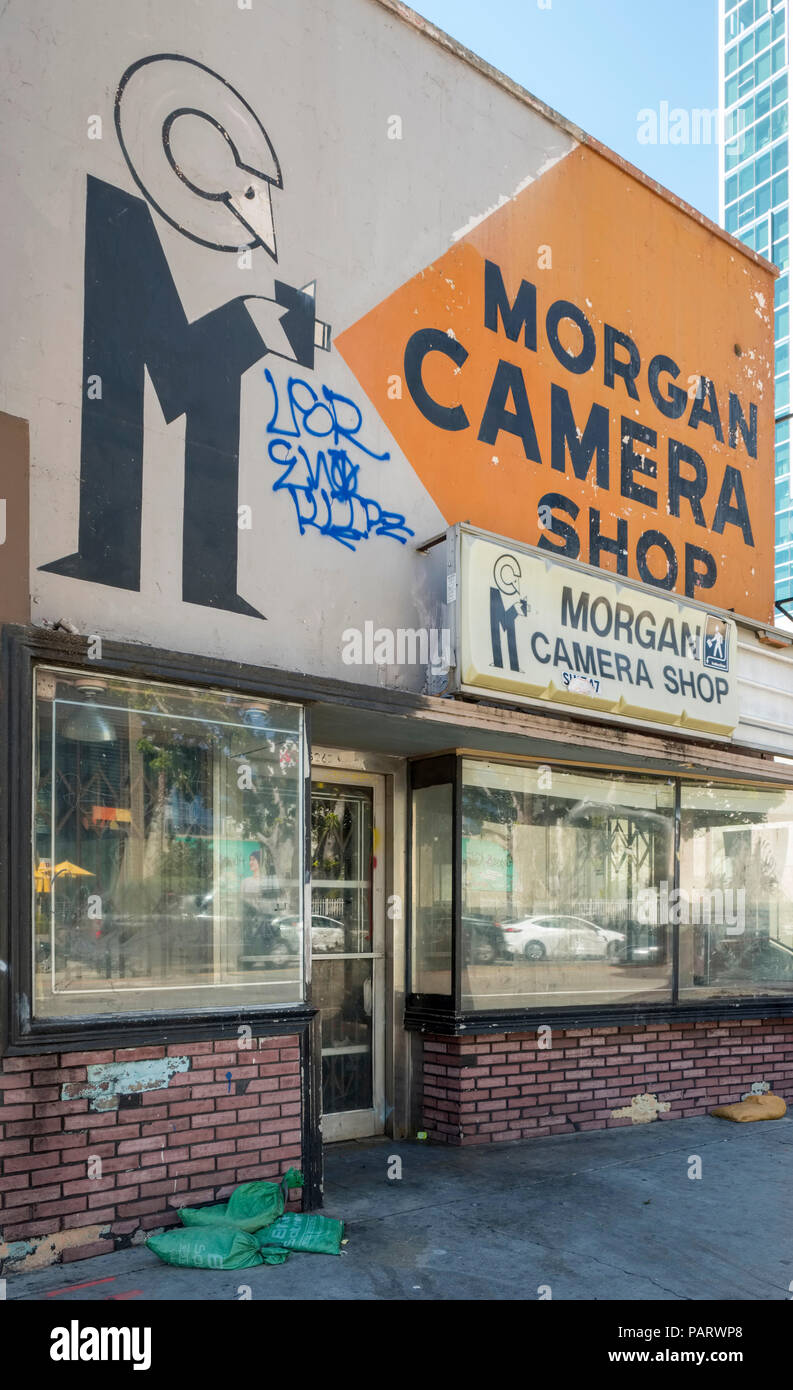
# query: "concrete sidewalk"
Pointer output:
{"type": "Point", "coordinates": [596, 1216]}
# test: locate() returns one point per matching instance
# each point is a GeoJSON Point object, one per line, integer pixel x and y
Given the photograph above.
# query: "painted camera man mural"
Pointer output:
{"type": "Point", "coordinates": [204, 162]}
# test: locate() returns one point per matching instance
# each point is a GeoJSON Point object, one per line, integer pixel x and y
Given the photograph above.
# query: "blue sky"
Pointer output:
{"type": "Point", "coordinates": [600, 62]}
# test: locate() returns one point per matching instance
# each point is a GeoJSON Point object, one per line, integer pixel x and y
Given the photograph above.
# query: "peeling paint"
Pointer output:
{"type": "Point", "coordinates": [642, 1109]}
{"type": "Point", "coordinates": [21, 1256]}
{"type": "Point", "coordinates": [109, 1080]}
{"type": "Point", "coordinates": [507, 197]}
{"type": "Point", "coordinates": [759, 1088]}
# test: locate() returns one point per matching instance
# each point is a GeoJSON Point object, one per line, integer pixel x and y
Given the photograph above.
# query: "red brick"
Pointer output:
{"type": "Point", "coordinates": [62, 1107]}
{"type": "Point", "coordinates": [14, 1181]}
{"type": "Point", "coordinates": [59, 1208]}
{"type": "Point", "coordinates": [140, 1208]}
{"type": "Point", "coordinates": [104, 1120]}
{"type": "Point", "coordinates": [191, 1107]}
{"type": "Point", "coordinates": [13, 1080]}
{"type": "Point", "coordinates": [25, 1063]}
{"type": "Point", "coordinates": [64, 1175]}
{"type": "Point", "coordinates": [158, 1110]}
{"type": "Point", "coordinates": [149, 1223]}
{"type": "Point", "coordinates": [29, 1095]}
{"type": "Point", "coordinates": [114, 1199]}
{"type": "Point", "coordinates": [10, 1148]}
{"type": "Point", "coordinates": [253, 1142]}
{"type": "Point", "coordinates": [56, 1076]}
{"type": "Point", "coordinates": [76, 1184]}
{"type": "Point", "coordinates": [188, 1080]}
{"type": "Point", "coordinates": [129, 1146]}
{"type": "Point", "coordinates": [207, 1150]}
{"type": "Point", "coordinates": [138, 1054]}
{"type": "Point", "coordinates": [10, 1113]}
{"type": "Point", "coordinates": [184, 1170]}
{"type": "Point", "coordinates": [198, 1134]}
{"type": "Point", "coordinates": [223, 1062]}
{"type": "Point", "coordinates": [85, 1059]}
{"type": "Point", "coordinates": [28, 1229]}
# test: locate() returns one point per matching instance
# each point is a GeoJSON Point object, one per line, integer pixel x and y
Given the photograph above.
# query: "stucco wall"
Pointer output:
{"type": "Point", "coordinates": [358, 213]}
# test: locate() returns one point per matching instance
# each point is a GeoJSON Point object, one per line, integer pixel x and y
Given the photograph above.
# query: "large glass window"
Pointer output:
{"type": "Point", "coordinates": [167, 847]}
{"type": "Point", "coordinates": [736, 901]}
{"type": "Point", "coordinates": [563, 891]}
{"type": "Point", "coordinates": [556, 871]}
{"type": "Point", "coordinates": [433, 827]}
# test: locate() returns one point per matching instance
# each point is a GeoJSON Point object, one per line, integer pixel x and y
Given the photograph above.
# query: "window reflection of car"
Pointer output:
{"type": "Point", "coordinates": [326, 934]}
{"type": "Point", "coordinates": [483, 940]}
{"type": "Point", "coordinates": [562, 938]}
{"type": "Point", "coordinates": [279, 940]}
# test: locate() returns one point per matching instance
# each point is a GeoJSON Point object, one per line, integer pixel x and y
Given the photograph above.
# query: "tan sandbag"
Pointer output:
{"type": "Point", "coordinates": [763, 1107]}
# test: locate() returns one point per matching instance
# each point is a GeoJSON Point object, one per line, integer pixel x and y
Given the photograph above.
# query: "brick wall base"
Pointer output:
{"type": "Point", "coordinates": [479, 1090]}
{"type": "Point", "coordinates": [170, 1129]}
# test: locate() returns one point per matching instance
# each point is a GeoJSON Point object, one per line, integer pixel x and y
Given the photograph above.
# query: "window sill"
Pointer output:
{"type": "Point", "coordinates": [159, 1030]}
{"type": "Point", "coordinates": [426, 1016]}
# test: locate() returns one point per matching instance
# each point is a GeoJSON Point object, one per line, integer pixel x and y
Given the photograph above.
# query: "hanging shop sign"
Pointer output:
{"type": "Point", "coordinates": [532, 628]}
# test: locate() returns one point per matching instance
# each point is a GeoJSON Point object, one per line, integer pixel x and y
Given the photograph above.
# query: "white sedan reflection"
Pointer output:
{"type": "Point", "coordinates": [559, 937]}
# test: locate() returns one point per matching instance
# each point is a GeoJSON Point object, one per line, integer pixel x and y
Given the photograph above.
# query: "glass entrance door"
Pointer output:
{"type": "Point", "coordinates": [347, 931]}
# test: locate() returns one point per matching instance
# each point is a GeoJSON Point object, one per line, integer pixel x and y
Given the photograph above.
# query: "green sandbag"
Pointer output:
{"type": "Point", "coordinates": [251, 1206]}
{"type": "Point", "coordinates": [222, 1247]}
{"type": "Point", "coordinates": [315, 1234]}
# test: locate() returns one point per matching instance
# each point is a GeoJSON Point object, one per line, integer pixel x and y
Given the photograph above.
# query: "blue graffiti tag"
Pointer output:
{"type": "Point", "coordinates": [323, 481]}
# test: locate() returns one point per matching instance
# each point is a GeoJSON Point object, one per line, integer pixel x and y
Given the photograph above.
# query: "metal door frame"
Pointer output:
{"type": "Point", "coordinates": [362, 1124]}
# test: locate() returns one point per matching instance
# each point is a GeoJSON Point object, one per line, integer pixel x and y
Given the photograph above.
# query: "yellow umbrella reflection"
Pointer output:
{"type": "Point", "coordinates": [42, 875]}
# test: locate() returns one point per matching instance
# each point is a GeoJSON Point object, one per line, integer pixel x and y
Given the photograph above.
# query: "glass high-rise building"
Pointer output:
{"type": "Point", "coordinates": [754, 73]}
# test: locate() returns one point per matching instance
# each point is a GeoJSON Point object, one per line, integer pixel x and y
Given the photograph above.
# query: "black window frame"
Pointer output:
{"type": "Point", "coordinates": [444, 1015]}
{"type": "Point", "coordinates": [23, 649]}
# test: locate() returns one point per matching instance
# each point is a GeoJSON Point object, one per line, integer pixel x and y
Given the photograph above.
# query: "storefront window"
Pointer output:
{"type": "Point", "coordinates": [167, 848]}
{"type": "Point", "coordinates": [735, 905]}
{"type": "Point", "coordinates": [432, 916]}
{"type": "Point", "coordinates": [557, 871]}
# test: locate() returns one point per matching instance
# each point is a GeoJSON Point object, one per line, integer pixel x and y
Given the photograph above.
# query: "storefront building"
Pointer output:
{"type": "Point", "coordinates": [396, 737]}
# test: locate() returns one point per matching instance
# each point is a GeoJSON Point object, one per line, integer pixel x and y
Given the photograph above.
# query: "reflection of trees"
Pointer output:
{"type": "Point", "coordinates": [581, 848]}
{"type": "Point", "coordinates": [268, 811]}
{"type": "Point", "coordinates": [327, 838]}
{"type": "Point", "coordinates": [749, 853]}
{"type": "Point", "coordinates": [752, 862]}
{"type": "Point", "coordinates": [492, 805]}
{"type": "Point", "coordinates": [175, 766]}
{"type": "Point", "coordinates": [180, 776]}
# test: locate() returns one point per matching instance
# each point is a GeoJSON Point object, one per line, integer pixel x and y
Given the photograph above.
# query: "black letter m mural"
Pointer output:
{"type": "Point", "coordinates": [134, 320]}
{"type": "Point", "coordinates": [502, 619]}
